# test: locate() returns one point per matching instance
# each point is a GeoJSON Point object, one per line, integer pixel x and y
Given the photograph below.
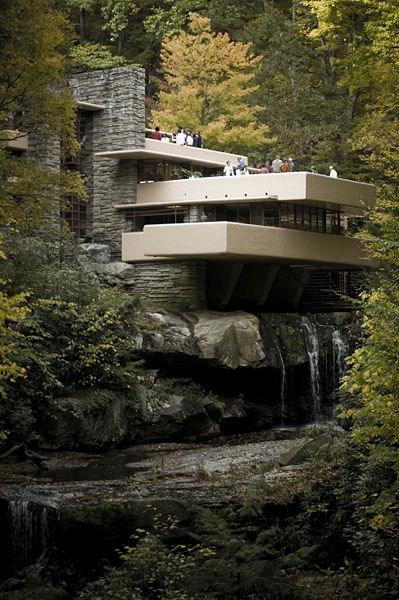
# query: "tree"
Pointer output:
{"type": "Point", "coordinates": [32, 85]}
{"type": "Point", "coordinates": [33, 98]}
{"type": "Point", "coordinates": [208, 87]}
{"type": "Point", "coordinates": [366, 65]}
{"type": "Point", "coordinates": [302, 111]}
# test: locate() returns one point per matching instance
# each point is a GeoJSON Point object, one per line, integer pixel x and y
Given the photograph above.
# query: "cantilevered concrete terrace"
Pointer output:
{"type": "Point", "coordinates": [272, 241]}
{"type": "Point", "coordinates": [156, 150]}
{"type": "Point", "coordinates": [308, 189]}
{"type": "Point", "coordinates": [257, 240]}
{"type": "Point", "coordinates": [237, 241]}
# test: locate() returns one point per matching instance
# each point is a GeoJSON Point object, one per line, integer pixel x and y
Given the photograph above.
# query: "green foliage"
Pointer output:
{"type": "Point", "coordinates": [29, 192]}
{"type": "Point", "coordinates": [179, 172]}
{"type": "Point", "coordinates": [151, 570]}
{"type": "Point", "coordinates": [75, 335]}
{"type": "Point", "coordinates": [168, 20]}
{"type": "Point", "coordinates": [303, 109]}
{"type": "Point", "coordinates": [90, 56]}
{"type": "Point", "coordinates": [12, 311]}
{"type": "Point", "coordinates": [32, 69]}
{"type": "Point", "coordinates": [34, 100]}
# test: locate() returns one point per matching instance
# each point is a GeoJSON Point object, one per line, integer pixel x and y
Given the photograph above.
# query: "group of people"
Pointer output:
{"type": "Point", "coordinates": [188, 138]}
{"type": "Point", "coordinates": [239, 169]}
{"type": "Point", "coordinates": [287, 165]}
{"type": "Point", "coordinates": [180, 137]}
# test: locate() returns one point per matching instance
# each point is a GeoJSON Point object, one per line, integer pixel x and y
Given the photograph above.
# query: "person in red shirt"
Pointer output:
{"type": "Point", "coordinates": [156, 135]}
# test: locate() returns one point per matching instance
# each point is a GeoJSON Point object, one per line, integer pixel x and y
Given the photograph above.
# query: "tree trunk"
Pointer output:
{"type": "Point", "coordinates": [82, 24]}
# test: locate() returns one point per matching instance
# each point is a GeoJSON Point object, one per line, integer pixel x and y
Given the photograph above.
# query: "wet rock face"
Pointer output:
{"type": "Point", "coordinates": [31, 584]}
{"type": "Point", "coordinates": [236, 339]}
{"type": "Point", "coordinates": [68, 424]}
{"type": "Point", "coordinates": [229, 339]}
{"type": "Point", "coordinates": [176, 409]}
{"type": "Point", "coordinates": [209, 372]}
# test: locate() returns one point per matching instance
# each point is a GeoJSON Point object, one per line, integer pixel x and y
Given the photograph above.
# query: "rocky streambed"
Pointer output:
{"type": "Point", "coordinates": [82, 507]}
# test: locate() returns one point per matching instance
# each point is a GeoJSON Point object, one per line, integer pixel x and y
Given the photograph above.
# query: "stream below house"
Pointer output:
{"type": "Point", "coordinates": [43, 509]}
{"type": "Point", "coordinates": [71, 516]}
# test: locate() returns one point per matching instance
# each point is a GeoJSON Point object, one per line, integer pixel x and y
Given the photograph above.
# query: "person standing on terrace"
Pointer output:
{"type": "Point", "coordinates": [292, 164]}
{"type": "Point", "coordinates": [189, 138]}
{"type": "Point", "coordinates": [285, 167]}
{"type": "Point", "coordinates": [267, 168]}
{"type": "Point", "coordinates": [181, 138]}
{"type": "Point", "coordinates": [333, 172]}
{"type": "Point", "coordinates": [240, 164]}
{"type": "Point", "coordinates": [276, 164]}
{"type": "Point", "coordinates": [228, 170]}
{"type": "Point", "coordinates": [156, 135]}
{"type": "Point", "coordinates": [243, 171]}
{"type": "Point", "coordinates": [199, 140]}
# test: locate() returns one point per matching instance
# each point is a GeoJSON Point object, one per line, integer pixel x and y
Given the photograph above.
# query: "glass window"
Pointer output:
{"type": "Point", "coordinates": [256, 214]}
{"type": "Point", "coordinates": [287, 216]}
{"type": "Point", "coordinates": [75, 215]}
{"type": "Point", "coordinates": [231, 214]}
{"type": "Point", "coordinates": [220, 213]}
{"type": "Point", "coordinates": [271, 215]}
{"type": "Point", "coordinates": [243, 214]}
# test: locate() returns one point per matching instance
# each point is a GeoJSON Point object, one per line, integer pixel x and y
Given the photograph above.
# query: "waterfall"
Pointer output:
{"type": "Point", "coordinates": [313, 350]}
{"type": "Point", "coordinates": [28, 520]}
{"type": "Point", "coordinates": [340, 352]}
{"type": "Point", "coordinates": [283, 384]}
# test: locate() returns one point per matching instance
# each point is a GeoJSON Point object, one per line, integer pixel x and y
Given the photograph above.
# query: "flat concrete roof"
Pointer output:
{"type": "Point", "coordinates": [157, 150]}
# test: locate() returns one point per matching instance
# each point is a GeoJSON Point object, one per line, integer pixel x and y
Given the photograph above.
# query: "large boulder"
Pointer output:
{"type": "Point", "coordinates": [229, 339]}
{"type": "Point", "coordinates": [174, 409]}
{"type": "Point", "coordinates": [94, 253]}
{"type": "Point", "coordinates": [71, 424]}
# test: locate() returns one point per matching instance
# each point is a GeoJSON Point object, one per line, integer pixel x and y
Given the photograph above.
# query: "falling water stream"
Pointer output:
{"type": "Point", "coordinates": [28, 513]}
{"type": "Point", "coordinates": [340, 352]}
{"type": "Point", "coordinates": [313, 350]}
{"type": "Point", "coordinates": [283, 384]}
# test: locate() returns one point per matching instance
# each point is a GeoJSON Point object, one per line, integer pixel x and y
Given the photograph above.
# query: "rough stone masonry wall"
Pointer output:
{"type": "Point", "coordinates": [120, 126]}
{"type": "Point", "coordinates": [46, 153]}
{"type": "Point", "coordinates": [176, 285]}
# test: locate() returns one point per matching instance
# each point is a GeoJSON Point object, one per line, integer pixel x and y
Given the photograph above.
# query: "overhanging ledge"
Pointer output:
{"type": "Point", "coordinates": [156, 150]}
{"type": "Point", "coordinates": [89, 107]}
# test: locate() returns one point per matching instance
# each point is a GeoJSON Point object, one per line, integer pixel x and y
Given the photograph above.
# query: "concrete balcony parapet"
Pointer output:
{"type": "Point", "coordinates": [350, 197]}
{"type": "Point", "coordinates": [235, 241]}
{"type": "Point", "coordinates": [14, 140]}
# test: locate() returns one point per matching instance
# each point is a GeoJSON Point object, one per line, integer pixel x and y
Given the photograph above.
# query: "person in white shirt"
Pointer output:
{"type": "Point", "coordinates": [189, 139]}
{"type": "Point", "coordinates": [243, 171]}
{"type": "Point", "coordinates": [333, 172]}
{"type": "Point", "coordinates": [181, 138]}
{"type": "Point", "coordinates": [228, 170]}
{"type": "Point", "coordinates": [276, 164]}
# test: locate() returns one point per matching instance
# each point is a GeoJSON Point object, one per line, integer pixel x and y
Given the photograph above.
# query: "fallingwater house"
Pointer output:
{"type": "Point", "coordinates": [259, 243]}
